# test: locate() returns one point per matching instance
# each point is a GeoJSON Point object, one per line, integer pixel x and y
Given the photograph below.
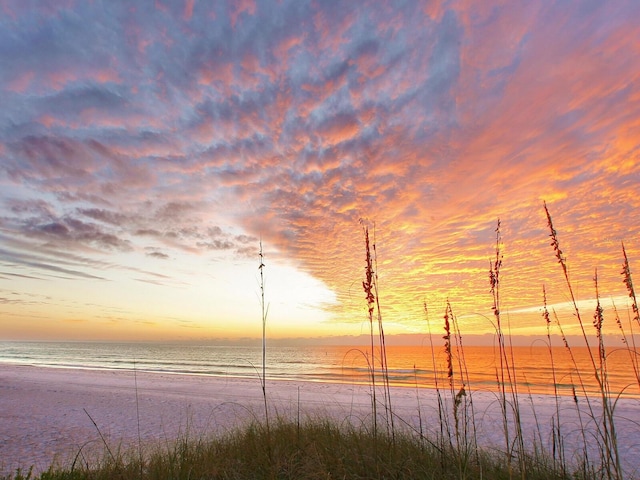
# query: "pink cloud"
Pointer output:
{"type": "Point", "coordinates": [332, 31]}
{"type": "Point", "coordinates": [215, 73]}
{"type": "Point", "coordinates": [433, 10]}
{"type": "Point", "coordinates": [99, 118]}
{"type": "Point", "coordinates": [282, 51]}
{"type": "Point", "coordinates": [369, 67]}
{"type": "Point", "coordinates": [22, 82]}
{"type": "Point", "coordinates": [188, 9]}
{"type": "Point", "coordinates": [161, 7]}
{"type": "Point", "coordinates": [58, 79]}
{"type": "Point", "coordinates": [239, 7]}
{"type": "Point", "coordinates": [251, 65]}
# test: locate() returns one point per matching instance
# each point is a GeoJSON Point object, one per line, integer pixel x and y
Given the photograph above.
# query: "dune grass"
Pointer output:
{"type": "Point", "coordinates": [317, 449]}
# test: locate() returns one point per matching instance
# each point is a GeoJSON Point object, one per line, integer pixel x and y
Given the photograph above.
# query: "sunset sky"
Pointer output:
{"type": "Point", "coordinates": [147, 147]}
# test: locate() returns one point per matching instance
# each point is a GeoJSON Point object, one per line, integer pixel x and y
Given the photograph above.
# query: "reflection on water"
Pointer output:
{"type": "Point", "coordinates": [480, 367]}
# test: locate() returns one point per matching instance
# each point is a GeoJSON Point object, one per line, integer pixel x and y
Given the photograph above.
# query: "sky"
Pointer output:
{"type": "Point", "coordinates": [147, 148]}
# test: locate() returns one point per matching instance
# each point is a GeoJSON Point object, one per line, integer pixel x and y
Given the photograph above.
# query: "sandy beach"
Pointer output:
{"type": "Point", "coordinates": [44, 412]}
{"type": "Point", "coordinates": [47, 414]}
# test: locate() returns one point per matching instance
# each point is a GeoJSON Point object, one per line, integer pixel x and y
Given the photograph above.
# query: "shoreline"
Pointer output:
{"type": "Point", "coordinates": [47, 414]}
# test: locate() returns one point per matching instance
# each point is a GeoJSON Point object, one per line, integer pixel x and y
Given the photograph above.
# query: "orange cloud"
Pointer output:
{"type": "Point", "coordinates": [338, 130]}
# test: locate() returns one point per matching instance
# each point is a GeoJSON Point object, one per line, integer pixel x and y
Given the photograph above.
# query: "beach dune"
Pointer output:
{"type": "Point", "coordinates": [47, 414]}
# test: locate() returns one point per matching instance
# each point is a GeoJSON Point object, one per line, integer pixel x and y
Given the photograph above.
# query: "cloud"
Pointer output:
{"type": "Point", "coordinates": [39, 263]}
{"type": "Point", "coordinates": [69, 231]}
{"type": "Point", "coordinates": [18, 275]}
{"type": "Point", "coordinates": [188, 9]}
{"type": "Point", "coordinates": [105, 216]}
{"type": "Point", "coordinates": [193, 128]}
{"type": "Point", "coordinates": [158, 255]}
{"type": "Point", "coordinates": [247, 7]}
{"type": "Point", "coordinates": [73, 101]}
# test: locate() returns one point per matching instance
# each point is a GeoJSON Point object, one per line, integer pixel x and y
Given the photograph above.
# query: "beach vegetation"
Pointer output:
{"type": "Point", "coordinates": [316, 449]}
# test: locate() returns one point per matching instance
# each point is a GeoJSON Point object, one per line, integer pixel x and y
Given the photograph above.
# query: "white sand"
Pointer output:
{"type": "Point", "coordinates": [43, 419]}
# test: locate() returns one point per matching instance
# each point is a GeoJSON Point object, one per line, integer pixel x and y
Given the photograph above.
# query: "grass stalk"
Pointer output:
{"type": "Point", "coordinates": [368, 286]}
{"type": "Point", "coordinates": [628, 282]}
{"type": "Point", "coordinates": [104, 441]}
{"type": "Point", "coordinates": [135, 381]}
{"type": "Point", "coordinates": [606, 428]}
{"type": "Point", "coordinates": [442, 418]}
{"type": "Point", "coordinates": [384, 366]}
{"type": "Point", "coordinates": [558, 452]}
{"type": "Point", "coordinates": [630, 348]}
{"type": "Point", "coordinates": [463, 412]}
{"type": "Point", "coordinates": [264, 311]}
{"type": "Point", "coordinates": [610, 438]}
{"type": "Point", "coordinates": [563, 264]}
{"type": "Point", "coordinates": [505, 375]}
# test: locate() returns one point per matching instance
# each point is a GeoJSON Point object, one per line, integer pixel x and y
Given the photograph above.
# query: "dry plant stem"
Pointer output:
{"type": "Point", "coordinates": [135, 380]}
{"type": "Point", "coordinates": [573, 389]}
{"type": "Point", "coordinates": [462, 405]}
{"type": "Point", "coordinates": [101, 436]}
{"type": "Point", "coordinates": [367, 285]}
{"type": "Point", "coordinates": [628, 281]}
{"type": "Point", "coordinates": [441, 416]}
{"type": "Point", "coordinates": [598, 320]}
{"type": "Point", "coordinates": [515, 397]}
{"type": "Point", "coordinates": [494, 279]}
{"type": "Point", "coordinates": [264, 320]}
{"type": "Point", "coordinates": [585, 451]}
{"type": "Point", "coordinates": [449, 361]}
{"type": "Point", "coordinates": [464, 373]}
{"type": "Point", "coordinates": [383, 345]}
{"type": "Point", "coordinates": [608, 426]}
{"type": "Point", "coordinates": [264, 311]}
{"type": "Point", "coordinates": [456, 394]}
{"type": "Point", "coordinates": [563, 263]}
{"type": "Point", "coordinates": [610, 437]}
{"type": "Point", "coordinates": [632, 351]}
{"type": "Point", "coordinates": [538, 444]}
{"type": "Point", "coordinates": [558, 439]}
{"type": "Point", "coordinates": [420, 425]}
{"type": "Point", "coordinates": [505, 368]}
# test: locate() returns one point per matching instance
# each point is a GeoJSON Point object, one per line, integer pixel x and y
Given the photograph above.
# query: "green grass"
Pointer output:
{"type": "Point", "coordinates": [318, 449]}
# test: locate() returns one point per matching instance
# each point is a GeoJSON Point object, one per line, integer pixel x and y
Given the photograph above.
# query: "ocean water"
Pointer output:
{"type": "Point", "coordinates": [479, 368]}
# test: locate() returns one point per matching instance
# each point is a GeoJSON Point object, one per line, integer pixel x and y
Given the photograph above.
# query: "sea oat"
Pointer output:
{"type": "Point", "coordinates": [628, 281]}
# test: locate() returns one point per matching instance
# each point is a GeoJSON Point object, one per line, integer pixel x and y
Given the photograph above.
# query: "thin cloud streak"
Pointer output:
{"type": "Point", "coordinates": [170, 137]}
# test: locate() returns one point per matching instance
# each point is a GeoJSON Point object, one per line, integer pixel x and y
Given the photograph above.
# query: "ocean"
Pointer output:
{"type": "Point", "coordinates": [479, 368]}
